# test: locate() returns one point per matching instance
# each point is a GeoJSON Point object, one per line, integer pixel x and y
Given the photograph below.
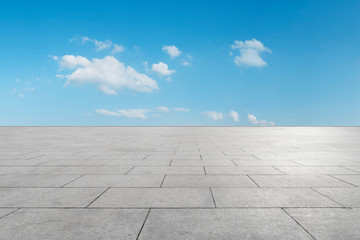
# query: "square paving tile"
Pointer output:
{"type": "Point", "coordinates": [185, 181]}
{"type": "Point", "coordinates": [329, 224]}
{"type": "Point", "coordinates": [270, 197]}
{"type": "Point", "coordinates": [80, 224]}
{"type": "Point", "coordinates": [117, 181]}
{"type": "Point", "coordinates": [298, 181]}
{"type": "Point", "coordinates": [48, 197]}
{"type": "Point", "coordinates": [155, 198]}
{"type": "Point", "coordinates": [229, 224]}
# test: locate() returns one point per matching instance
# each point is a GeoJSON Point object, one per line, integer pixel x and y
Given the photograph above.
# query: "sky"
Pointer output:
{"type": "Point", "coordinates": [180, 63]}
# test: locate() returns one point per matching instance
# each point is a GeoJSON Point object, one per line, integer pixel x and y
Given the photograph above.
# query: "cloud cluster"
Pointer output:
{"type": "Point", "coordinates": [234, 115]}
{"type": "Point", "coordinates": [250, 53]}
{"type": "Point", "coordinates": [136, 113]}
{"type": "Point", "coordinates": [108, 73]}
{"type": "Point", "coordinates": [162, 69]}
{"type": "Point", "coordinates": [172, 51]}
{"type": "Point", "coordinates": [214, 115]}
{"type": "Point", "coordinates": [252, 119]}
{"type": "Point", "coordinates": [100, 45]}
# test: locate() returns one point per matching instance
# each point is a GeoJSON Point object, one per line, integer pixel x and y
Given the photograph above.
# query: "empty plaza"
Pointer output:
{"type": "Point", "coordinates": [179, 183]}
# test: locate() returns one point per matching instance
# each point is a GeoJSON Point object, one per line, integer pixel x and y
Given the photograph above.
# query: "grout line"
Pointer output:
{"type": "Point", "coordinates": [72, 181]}
{"type": "Point", "coordinates": [97, 197]}
{"type": "Point", "coordinates": [146, 156]}
{"type": "Point", "coordinates": [355, 172]}
{"type": "Point", "coordinates": [298, 224]}
{"type": "Point", "coordinates": [201, 157]}
{"type": "Point", "coordinates": [163, 180]}
{"type": "Point", "coordinates": [10, 213]}
{"type": "Point", "coordinates": [142, 226]}
{"type": "Point", "coordinates": [234, 163]}
{"type": "Point", "coordinates": [204, 170]}
{"type": "Point", "coordinates": [129, 170]}
{"type": "Point", "coordinates": [171, 162]}
{"type": "Point", "coordinates": [327, 197]}
{"type": "Point", "coordinates": [255, 157]}
{"type": "Point", "coordinates": [343, 180]}
{"type": "Point", "coordinates": [212, 195]}
{"type": "Point", "coordinates": [253, 180]}
{"type": "Point", "coordinates": [278, 170]}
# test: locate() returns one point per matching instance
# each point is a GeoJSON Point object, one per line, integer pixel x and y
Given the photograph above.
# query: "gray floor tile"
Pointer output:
{"type": "Point", "coordinates": [298, 181]}
{"type": "Point", "coordinates": [265, 163]}
{"type": "Point", "coordinates": [270, 197]}
{"type": "Point", "coordinates": [117, 181]}
{"type": "Point", "coordinates": [155, 198]}
{"type": "Point", "coordinates": [167, 170]}
{"type": "Point", "coordinates": [221, 224]}
{"type": "Point", "coordinates": [315, 170]}
{"type": "Point", "coordinates": [26, 170]}
{"type": "Point", "coordinates": [353, 179]}
{"type": "Point", "coordinates": [93, 170]}
{"type": "Point", "coordinates": [202, 163]}
{"type": "Point", "coordinates": [6, 211]}
{"type": "Point", "coordinates": [48, 197]}
{"type": "Point", "coordinates": [241, 170]}
{"type": "Point", "coordinates": [138, 163]}
{"type": "Point", "coordinates": [35, 180]}
{"type": "Point", "coordinates": [185, 181]}
{"type": "Point", "coordinates": [347, 197]}
{"type": "Point", "coordinates": [329, 224]}
{"type": "Point", "coordinates": [81, 224]}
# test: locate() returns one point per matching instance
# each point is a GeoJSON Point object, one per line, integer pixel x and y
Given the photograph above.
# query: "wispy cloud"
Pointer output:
{"type": "Point", "coordinates": [172, 51]}
{"type": "Point", "coordinates": [214, 115]}
{"type": "Point", "coordinates": [179, 109]}
{"type": "Point", "coordinates": [250, 53]}
{"type": "Point", "coordinates": [163, 109]}
{"type": "Point", "coordinates": [108, 73]}
{"type": "Point", "coordinates": [128, 113]}
{"type": "Point", "coordinates": [100, 45]}
{"type": "Point", "coordinates": [252, 119]}
{"type": "Point", "coordinates": [234, 115]}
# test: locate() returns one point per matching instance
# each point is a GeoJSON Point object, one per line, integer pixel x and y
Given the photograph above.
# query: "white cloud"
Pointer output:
{"type": "Point", "coordinates": [108, 73]}
{"type": "Point", "coordinates": [162, 69]}
{"type": "Point", "coordinates": [182, 109]}
{"type": "Point", "coordinates": [100, 45]}
{"type": "Point", "coordinates": [250, 51]}
{"type": "Point", "coordinates": [21, 95]}
{"type": "Point", "coordinates": [173, 51]}
{"type": "Point", "coordinates": [252, 119]}
{"type": "Point", "coordinates": [185, 63]}
{"type": "Point", "coordinates": [129, 113]}
{"type": "Point", "coordinates": [163, 109]}
{"type": "Point", "coordinates": [214, 115]}
{"type": "Point", "coordinates": [234, 115]}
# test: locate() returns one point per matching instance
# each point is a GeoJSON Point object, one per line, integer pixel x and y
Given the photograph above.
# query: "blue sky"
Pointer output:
{"type": "Point", "coordinates": [226, 63]}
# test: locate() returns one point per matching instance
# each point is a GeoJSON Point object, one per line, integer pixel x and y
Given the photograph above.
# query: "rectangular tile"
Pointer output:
{"type": "Point", "coordinates": [315, 170]}
{"type": "Point", "coordinates": [202, 163]}
{"type": "Point", "coordinates": [117, 181]}
{"type": "Point", "coordinates": [241, 170]}
{"type": "Point", "coordinates": [347, 197]}
{"type": "Point", "coordinates": [270, 197]}
{"type": "Point", "coordinates": [35, 180]}
{"type": "Point", "coordinates": [265, 163]}
{"type": "Point", "coordinates": [26, 170]}
{"type": "Point", "coordinates": [353, 179]}
{"type": "Point", "coordinates": [155, 198]}
{"type": "Point", "coordinates": [166, 170]}
{"type": "Point", "coordinates": [93, 170]}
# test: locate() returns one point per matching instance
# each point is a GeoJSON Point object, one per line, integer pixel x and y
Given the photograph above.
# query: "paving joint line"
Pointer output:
{"type": "Point", "coordinates": [97, 197]}
{"type": "Point", "coordinates": [298, 223]}
{"type": "Point", "coordinates": [142, 226]}
{"type": "Point", "coordinates": [212, 195]}
{"type": "Point", "coordinates": [327, 197]}
{"type": "Point", "coordinates": [279, 170]}
{"type": "Point", "coordinates": [343, 180]}
{"type": "Point", "coordinates": [129, 170]}
{"type": "Point", "coordinates": [10, 213]}
{"type": "Point", "coordinates": [162, 181]}
{"type": "Point", "coordinates": [253, 180]}
{"type": "Point", "coordinates": [72, 180]}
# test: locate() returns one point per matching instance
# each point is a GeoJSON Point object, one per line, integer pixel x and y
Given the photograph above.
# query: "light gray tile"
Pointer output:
{"type": "Point", "coordinates": [48, 197]}
{"type": "Point", "coordinates": [347, 197]}
{"type": "Point", "coordinates": [167, 170]}
{"type": "Point", "coordinates": [185, 181]}
{"type": "Point", "coordinates": [117, 181]}
{"type": "Point", "coordinates": [265, 163]}
{"type": "Point", "coordinates": [88, 162]}
{"type": "Point", "coordinates": [93, 170]}
{"type": "Point", "coordinates": [35, 180]}
{"type": "Point", "coordinates": [270, 197]}
{"type": "Point", "coordinates": [315, 170]}
{"type": "Point", "coordinates": [241, 170]}
{"type": "Point", "coordinates": [155, 198]}
{"type": "Point", "coordinates": [202, 163]}
{"type": "Point", "coordinates": [353, 179]}
{"type": "Point", "coordinates": [298, 181]}
{"type": "Point", "coordinates": [6, 211]}
{"type": "Point", "coordinates": [26, 170]}
{"type": "Point", "coordinates": [139, 163]}
{"type": "Point", "coordinates": [329, 224]}
{"type": "Point", "coordinates": [81, 224]}
{"type": "Point", "coordinates": [229, 224]}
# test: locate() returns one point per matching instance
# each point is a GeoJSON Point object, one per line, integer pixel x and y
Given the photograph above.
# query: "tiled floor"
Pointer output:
{"type": "Point", "coordinates": [179, 183]}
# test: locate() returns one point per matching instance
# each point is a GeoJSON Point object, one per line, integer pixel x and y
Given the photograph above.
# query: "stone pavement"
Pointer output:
{"type": "Point", "coordinates": [179, 183]}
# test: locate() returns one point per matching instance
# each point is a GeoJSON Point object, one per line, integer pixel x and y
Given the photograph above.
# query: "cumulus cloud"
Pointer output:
{"type": "Point", "coordinates": [100, 45]}
{"type": "Point", "coordinates": [214, 115]}
{"type": "Point", "coordinates": [234, 115]}
{"type": "Point", "coordinates": [185, 63]}
{"type": "Point", "coordinates": [162, 69]}
{"type": "Point", "coordinates": [172, 51]}
{"type": "Point", "coordinates": [163, 109]}
{"type": "Point", "coordinates": [108, 73]}
{"type": "Point", "coordinates": [181, 109]}
{"type": "Point", "coordinates": [129, 113]}
{"type": "Point", "coordinates": [252, 119]}
{"type": "Point", "coordinates": [250, 53]}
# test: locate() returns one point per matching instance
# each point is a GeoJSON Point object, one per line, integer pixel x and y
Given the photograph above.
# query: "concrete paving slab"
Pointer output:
{"type": "Point", "coordinates": [80, 224]}
{"type": "Point", "coordinates": [26, 170]}
{"type": "Point", "coordinates": [203, 181]}
{"type": "Point", "coordinates": [347, 197]}
{"type": "Point", "coordinates": [48, 197]}
{"type": "Point", "coordinates": [35, 180]}
{"type": "Point", "coordinates": [329, 224]}
{"type": "Point", "coordinates": [298, 181]}
{"type": "Point", "coordinates": [270, 197]}
{"type": "Point", "coordinates": [353, 179]}
{"type": "Point", "coordinates": [221, 224]}
{"type": "Point", "coordinates": [315, 170]}
{"type": "Point", "coordinates": [241, 170]}
{"type": "Point", "coordinates": [117, 181]}
{"type": "Point", "coordinates": [161, 162]}
{"type": "Point", "coordinates": [265, 163]}
{"type": "Point", "coordinates": [93, 170]}
{"type": "Point", "coordinates": [167, 170]}
{"type": "Point", "coordinates": [6, 211]}
{"type": "Point", "coordinates": [202, 163]}
{"type": "Point", "coordinates": [155, 198]}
